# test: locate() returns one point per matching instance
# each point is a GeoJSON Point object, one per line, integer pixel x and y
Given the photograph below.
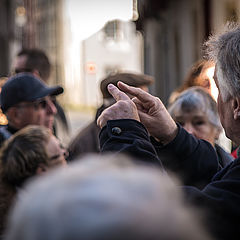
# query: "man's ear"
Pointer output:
{"type": "Point", "coordinates": [13, 116]}
{"type": "Point", "coordinates": [41, 169]}
{"type": "Point", "coordinates": [236, 108]}
{"type": "Point", "coordinates": [36, 73]}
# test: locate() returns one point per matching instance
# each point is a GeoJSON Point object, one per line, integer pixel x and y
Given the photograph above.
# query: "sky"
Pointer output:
{"type": "Point", "coordinates": [88, 16]}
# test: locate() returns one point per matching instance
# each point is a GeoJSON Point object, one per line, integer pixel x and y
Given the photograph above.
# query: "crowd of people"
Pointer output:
{"type": "Point", "coordinates": [140, 170]}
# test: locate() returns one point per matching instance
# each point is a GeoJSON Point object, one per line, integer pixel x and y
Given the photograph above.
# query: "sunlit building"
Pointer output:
{"type": "Point", "coordinates": [115, 48]}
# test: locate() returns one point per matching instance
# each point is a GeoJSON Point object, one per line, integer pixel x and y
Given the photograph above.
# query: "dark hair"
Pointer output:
{"type": "Point", "coordinates": [132, 79]}
{"type": "Point", "coordinates": [37, 59]}
{"type": "Point", "coordinates": [195, 71]}
{"type": "Point", "coordinates": [193, 78]}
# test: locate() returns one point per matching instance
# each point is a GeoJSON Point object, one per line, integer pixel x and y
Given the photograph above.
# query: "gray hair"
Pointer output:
{"type": "Point", "coordinates": [224, 49]}
{"type": "Point", "coordinates": [196, 99]}
{"type": "Point", "coordinates": [104, 197]}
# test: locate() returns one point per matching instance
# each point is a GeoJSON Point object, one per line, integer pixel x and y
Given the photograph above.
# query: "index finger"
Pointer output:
{"type": "Point", "coordinates": [116, 93]}
{"type": "Point", "coordinates": [136, 92]}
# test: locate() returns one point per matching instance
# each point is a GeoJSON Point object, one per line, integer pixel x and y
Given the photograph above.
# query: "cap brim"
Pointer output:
{"type": "Point", "coordinates": [51, 91]}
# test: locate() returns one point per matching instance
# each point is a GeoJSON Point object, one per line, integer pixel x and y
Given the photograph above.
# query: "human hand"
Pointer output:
{"type": "Point", "coordinates": [124, 108]}
{"type": "Point", "coordinates": [153, 114]}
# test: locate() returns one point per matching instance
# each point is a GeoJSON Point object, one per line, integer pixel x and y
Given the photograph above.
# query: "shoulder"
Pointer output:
{"type": "Point", "coordinates": [224, 157]}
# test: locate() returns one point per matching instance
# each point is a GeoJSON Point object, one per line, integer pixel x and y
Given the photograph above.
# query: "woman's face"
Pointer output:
{"type": "Point", "coordinates": [55, 152]}
{"type": "Point", "coordinates": [197, 123]}
{"type": "Point", "coordinates": [206, 81]}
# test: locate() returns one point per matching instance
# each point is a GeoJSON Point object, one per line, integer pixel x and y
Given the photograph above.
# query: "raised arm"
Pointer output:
{"type": "Point", "coordinates": [122, 131]}
{"type": "Point", "coordinates": [180, 151]}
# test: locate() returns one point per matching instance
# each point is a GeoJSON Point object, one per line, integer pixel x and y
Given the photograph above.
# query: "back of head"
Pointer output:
{"type": "Point", "coordinates": [103, 198]}
{"type": "Point", "coordinates": [36, 59]}
{"type": "Point", "coordinates": [23, 153]}
{"type": "Point", "coordinates": [196, 99]}
{"type": "Point", "coordinates": [132, 79]}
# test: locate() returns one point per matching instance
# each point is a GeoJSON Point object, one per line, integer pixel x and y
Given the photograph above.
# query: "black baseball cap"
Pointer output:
{"type": "Point", "coordinates": [25, 87]}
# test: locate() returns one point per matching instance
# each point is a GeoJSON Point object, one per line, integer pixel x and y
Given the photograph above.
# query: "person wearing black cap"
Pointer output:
{"type": "Point", "coordinates": [87, 141]}
{"type": "Point", "coordinates": [27, 100]}
{"type": "Point", "coordinates": [36, 61]}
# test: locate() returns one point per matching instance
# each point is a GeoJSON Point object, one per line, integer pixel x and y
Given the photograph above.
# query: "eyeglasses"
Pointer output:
{"type": "Point", "coordinates": [65, 153]}
{"type": "Point", "coordinates": [40, 104]}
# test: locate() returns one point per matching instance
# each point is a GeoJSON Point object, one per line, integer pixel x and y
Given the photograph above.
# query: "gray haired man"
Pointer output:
{"type": "Point", "coordinates": [220, 199]}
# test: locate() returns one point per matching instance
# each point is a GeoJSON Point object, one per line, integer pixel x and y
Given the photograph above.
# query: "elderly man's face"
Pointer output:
{"type": "Point", "coordinates": [40, 112]}
{"type": "Point", "coordinates": [225, 109]}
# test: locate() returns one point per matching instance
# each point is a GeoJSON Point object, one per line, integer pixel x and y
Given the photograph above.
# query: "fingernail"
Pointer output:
{"type": "Point", "coordinates": [110, 85]}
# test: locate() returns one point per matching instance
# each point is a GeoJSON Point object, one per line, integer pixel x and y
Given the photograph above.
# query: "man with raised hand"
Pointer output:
{"type": "Point", "coordinates": [150, 111]}
{"type": "Point", "coordinates": [220, 199]}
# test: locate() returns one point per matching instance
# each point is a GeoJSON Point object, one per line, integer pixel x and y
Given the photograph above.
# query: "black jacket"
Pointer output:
{"type": "Point", "coordinates": [6, 132]}
{"type": "Point", "coordinates": [220, 199]}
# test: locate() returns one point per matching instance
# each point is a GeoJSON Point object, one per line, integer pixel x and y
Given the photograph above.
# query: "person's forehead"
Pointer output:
{"type": "Point", "coordinates": [197, 113]}
{"type": "Point", "coordinates": [38, 99]}
{"type": "Point", "coordinates": [52, 145]}
{"type": "Point", "coordinates": [20, 61]}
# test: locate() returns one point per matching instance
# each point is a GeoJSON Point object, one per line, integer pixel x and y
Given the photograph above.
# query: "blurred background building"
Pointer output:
{"type": "Point", "coordinates": [86, 40]}
{"type": "Point", "coordinates": [116, 47]}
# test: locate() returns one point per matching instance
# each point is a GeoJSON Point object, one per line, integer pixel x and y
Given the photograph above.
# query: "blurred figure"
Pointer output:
{"type": "Point", "coordinates": [3, 118]}
{"type": "Point", "coordinates": [37, 62]}
{"type": "Point", "coordinates": [26, 100]}
{"type": "Point", "coordinates": [197, 112]}
{"type": "Point", "coordinates": [31, 151]}
{"type": "Point", "coordinates": [87, 141]}
{"type": "Point", "coordinates": [34, 61]}
{"type": "Point", "coordinates": [104, 198]}
{"type": "Point", "coordinates": [200, 74]}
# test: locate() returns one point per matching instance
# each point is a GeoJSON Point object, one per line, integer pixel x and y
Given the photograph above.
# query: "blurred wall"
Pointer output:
{"type": "Point", "coordinates": [173, 34]}
{"type": "Point", "coordinates": [6, 35]}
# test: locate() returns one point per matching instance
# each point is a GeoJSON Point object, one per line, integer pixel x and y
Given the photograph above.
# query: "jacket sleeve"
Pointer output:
{"type": "Point", "coordinates": [194, 161]}
{"type": "Point", "coordinates": [128, 136]}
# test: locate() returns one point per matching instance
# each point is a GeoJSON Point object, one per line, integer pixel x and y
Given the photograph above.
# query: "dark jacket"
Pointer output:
{"type": "Point", "coordinates": [87, 140]}
{"type": "Point", "coordinates": [220, 199]}
{"type": "Point", "coordinates": [185, 169]}
{"type": "Point", "coordinates": [6, 132]}
{"type": "Point", "coordinates": [224, 158]}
